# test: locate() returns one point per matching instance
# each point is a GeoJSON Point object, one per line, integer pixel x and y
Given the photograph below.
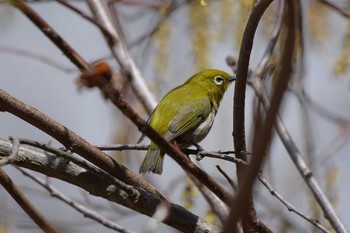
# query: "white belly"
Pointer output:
{"type": "Point", "coordinates": [203, 129]}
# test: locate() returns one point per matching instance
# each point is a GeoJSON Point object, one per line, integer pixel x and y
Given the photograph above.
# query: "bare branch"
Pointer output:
{"type": "Point", "coordinates": [229, 180]}
{"type": "Point", "coordinates": [40, 57]}
{"type": "Point", "coordinates": [342, 10]}
{"type": "Point", "coordinates": [85, 16]}
{"type": "Point", "coordinates": [103, 186]}
{"type": "Point", "coordinates": [289, 206]}
{"type": "Point", "coordinates": [250, 221]}
{"type": "Point", "coordinates": [71, 54]}
{"type": "Point", "coordinates": [25, 204]}
{"type": "Point", "coordinates": [217, 205]}
{"type": "Point", "coordinates": [123, 147]}
{"type": "Point", "coordinates": [80, 208]}
{"type": "Point", "coordinates": [129, 190]}
{"type": "Point", "coordinates": [72, 141]}
{"type": "Point", "coordinates": [200, 155]}
{"type": "Point", "coordinates": [121, 53]}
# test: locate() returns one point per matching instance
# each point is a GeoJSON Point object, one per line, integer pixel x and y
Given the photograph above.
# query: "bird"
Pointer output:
{"type": "Point", "coordinates": [186, 114]}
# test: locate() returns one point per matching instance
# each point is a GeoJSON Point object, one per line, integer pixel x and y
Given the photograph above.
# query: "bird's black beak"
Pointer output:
{"type": "Point", "coordinates": [232, 78]}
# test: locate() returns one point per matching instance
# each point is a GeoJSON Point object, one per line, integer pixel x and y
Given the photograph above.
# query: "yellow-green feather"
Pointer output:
{"type": "Point", "coordinates": [200, 88]}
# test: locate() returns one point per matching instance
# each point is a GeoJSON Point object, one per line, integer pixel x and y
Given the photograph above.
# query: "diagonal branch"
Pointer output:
{"type": "Point", "coordinates": [82, 209]}
{"type": "Point", "coordinates": [70, 53]}
{"type": "Point", "coordinates": [121, 53]}
{"type": "Point", "coordinates": [25, 204]}
{"type": "Point", "coordinates": [72, 141]}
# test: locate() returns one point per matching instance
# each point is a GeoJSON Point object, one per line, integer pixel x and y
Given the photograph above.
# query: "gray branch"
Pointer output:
{"type": "Point", "coordinates": [294, 153]}
{"type": "Point", "coordinates": [120, 52]}
{"type": "Point", "coordinates": [101, 186]}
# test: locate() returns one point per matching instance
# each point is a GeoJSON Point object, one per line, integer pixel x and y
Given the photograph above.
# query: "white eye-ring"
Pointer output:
{"type": "Point", "coordinates": [218, 80]}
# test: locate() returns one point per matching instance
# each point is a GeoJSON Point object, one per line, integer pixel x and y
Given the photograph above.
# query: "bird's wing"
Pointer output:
{"type": "Point", "coordinates": [148, 121]}
{"type": "Point", "coordinates": [189, 117]}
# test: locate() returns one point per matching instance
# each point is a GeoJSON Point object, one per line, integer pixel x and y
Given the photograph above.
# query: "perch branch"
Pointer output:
{"type": "Point", "coordinates": [102, 186]}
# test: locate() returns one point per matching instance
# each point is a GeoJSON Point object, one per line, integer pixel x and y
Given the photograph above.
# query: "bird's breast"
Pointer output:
{"type": "Point", "coordinates": [203, 129]}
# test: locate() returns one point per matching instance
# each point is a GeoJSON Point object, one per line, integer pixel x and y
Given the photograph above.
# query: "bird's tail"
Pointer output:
{"type": "Point", "coordinates": [153, 161]}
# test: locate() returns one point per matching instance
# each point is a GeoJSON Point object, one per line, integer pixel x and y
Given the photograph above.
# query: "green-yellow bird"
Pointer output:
{"type": "Point", "coordinates": [186, 114]}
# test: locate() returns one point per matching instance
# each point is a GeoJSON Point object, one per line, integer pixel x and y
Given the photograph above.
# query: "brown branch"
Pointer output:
{"type": "Point", "coordinates": [263, 134]}
{"type": "Point", "coordinates": [25, 204]}
{"type": "Point", "coordinates": [250, 222]}
{"type": "Point", "coordinates": [70, 53]}
{"type": "Point", "coordinates": [342, 10]}
{"type": "Point", "coordinates": [72, 141]}
{"type": "Point", "coordinates": [228, 178]}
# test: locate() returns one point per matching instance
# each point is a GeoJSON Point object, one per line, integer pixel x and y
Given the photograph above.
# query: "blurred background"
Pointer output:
{"type": "Point", "coordinates": [170, 41]}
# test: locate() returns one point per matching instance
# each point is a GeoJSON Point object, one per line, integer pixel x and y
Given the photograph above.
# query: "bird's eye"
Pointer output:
{"type": "Point", "coordinates": [218, 80]}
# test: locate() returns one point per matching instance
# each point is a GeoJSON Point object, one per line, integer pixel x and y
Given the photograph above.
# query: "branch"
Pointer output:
{"type": "Point", "coordinates": [218, 206]}
{"type": "Point", "coordinates": [263, 131]}
{"type": "Point", "coordinates": [70, 53]}
{"type": "Point", "coordinates": [120, 147]}
{"type": "Point", "coordinates": [40, 57]}
{"type": "Point", "coordinates": [299, 162]}
{"type": "Point", "coordinates": [121, 53]}
{"type": "Point", "coordinates": [239, 117]}
{"type": "Point", "coordinates": [80, 208]}
{"type": "Point", "coordinates": [129, 190]}
{"type": "Point", "coordinates": [277, 195]}
{"type": "Point", "coordinates": [103, 186]}
{"type": "Point", "coordinates": [342, 10]}
{"type": "Point", "coordinates": [289, 206]}
{"type": "Point", "coordinates": [73, 142]}
{"type": "Point", "coordinates": [25, 204]}
{"type": "Point", "coordinates": [13, 155]}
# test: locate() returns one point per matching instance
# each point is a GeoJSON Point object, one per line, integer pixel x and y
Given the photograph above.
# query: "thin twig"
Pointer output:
{"type": "Point", "coordinates": [289, 206]}
{"type": "Point", "coordinates": [123, 147]}
{"type": "Point", "coordinates": [229, 180]}
{"type": "Point", "coordinates": [40, 57]}
{"type": "Point", "coordinates": [342, 10]}
{"type": "Point", "coordinates": [25, 204]}
{"type": "Point", "coordinates": [322, 111]}
{"type": "Point", "coordinates": [80, 208]}
{"type": "Point", "coordinates": [200, 155]}
{"type": "Point", "coordinates": [87, 17]}
{"type": "Point", "coordinates": [67, 50]}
